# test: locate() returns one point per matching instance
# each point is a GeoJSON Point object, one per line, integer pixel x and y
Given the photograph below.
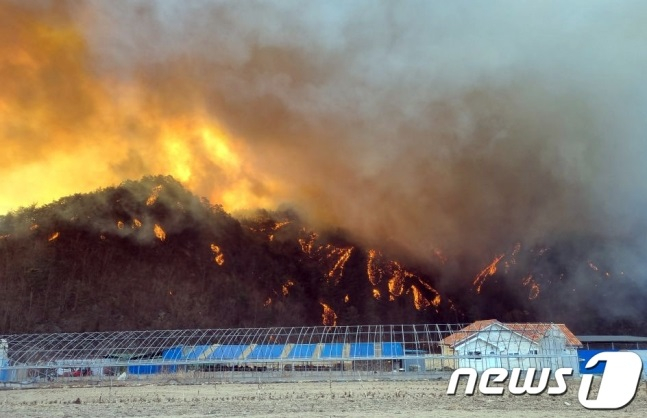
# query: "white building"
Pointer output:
{"type": "Point", "coordinates": [490, 343]}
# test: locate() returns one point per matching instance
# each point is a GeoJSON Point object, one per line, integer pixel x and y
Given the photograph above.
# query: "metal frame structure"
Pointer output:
{"type": "Point", "coordinates": [321, 352]}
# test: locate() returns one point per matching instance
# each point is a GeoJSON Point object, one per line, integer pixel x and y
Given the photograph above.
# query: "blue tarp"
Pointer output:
{"type": "Point", "coordinates": [302, 351]}
{"type": "Point", "coordinates": [332, 350]}
{"type": "Point", "coordinates": [227, 352]}
{"type": "Point", "coordinates": [362, 350]}
{"type": "Point", "coordinates": [392, 349]}
{"type": "Point", "coordinates": [266, 352]}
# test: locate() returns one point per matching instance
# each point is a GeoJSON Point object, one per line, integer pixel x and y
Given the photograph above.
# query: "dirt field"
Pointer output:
{"type": "Point", "coordinates": [307, 399]}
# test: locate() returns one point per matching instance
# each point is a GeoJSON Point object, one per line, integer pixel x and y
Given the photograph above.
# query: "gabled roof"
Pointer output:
{"type": "Point", "coordinates": [533, 331]}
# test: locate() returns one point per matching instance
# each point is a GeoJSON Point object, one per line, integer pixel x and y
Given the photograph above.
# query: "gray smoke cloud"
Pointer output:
{"type": "Point", "coordinates": [456, 126]}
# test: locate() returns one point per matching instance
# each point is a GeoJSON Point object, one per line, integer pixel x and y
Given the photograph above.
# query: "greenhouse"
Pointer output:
{"type": "Point", "coordinates": [282, 353]}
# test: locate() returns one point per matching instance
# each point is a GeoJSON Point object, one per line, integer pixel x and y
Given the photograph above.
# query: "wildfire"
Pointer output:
{"type": "Point", "coordinates": [307, 244]}
{"type": "Point", "coordinates": [419, 301]}
{"type": "Point", "coordinates": [488, 271]}
{"type": "Point", "coordinates": [53, 236]}
{"type": "Point", "coordinates": [188, 142]}
{"type": "Point", "coordinates": [372, 270]}
{"type": "Point", "coordinates": [137, 223]}
{"type": "Point", "coordinates": [341, 255]}
{"type": "Point", "coordinates": [328, 317]}
{"type": "Point", "coordinates": [159, 232]}
{"type": "Point", "coordinates": [534, 287]}
{"type": "Point", "coordinates": [154, 195]}
{"type": "Point", "coordinates": [285, 289]}
{"type": "Point", "coordinates": [219, 257]}
{"type": "Point", "coordinates": [376, 294]}
{"type": "Point", "coordinates": [120, 225]}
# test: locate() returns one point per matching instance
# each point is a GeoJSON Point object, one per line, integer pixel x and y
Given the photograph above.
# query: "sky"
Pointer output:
{"type": "Point", "coordinates": [458, 127]}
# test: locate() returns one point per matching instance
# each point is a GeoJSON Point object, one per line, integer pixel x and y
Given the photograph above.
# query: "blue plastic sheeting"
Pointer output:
{"type": "Point", "coordinates": [227, 352]}
{"type": "Point", "coordinates": [332, 350]}
{"type": "Point", "coordinates": [197, 351]}
{"type": "Point", "coordinates": [392, 349]}
{"type": "Point", "coordinates": [6, 375]}
{"type": "Point", "coordinates": [145, 369]}
{"type": "Point", "coordinates": [174, 353]}
{"type": "Point", "coordinates": [302, 351]}
{"type": "Point", "coordinates": [362, 350]}
{"type": "Point", "coordinates": [585, 355]}
{"type": "Point", "coordinates": [266, 352]}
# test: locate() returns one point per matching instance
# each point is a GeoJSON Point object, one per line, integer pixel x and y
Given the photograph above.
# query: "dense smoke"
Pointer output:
{"type": "Point", "coordinates": [461, 127]}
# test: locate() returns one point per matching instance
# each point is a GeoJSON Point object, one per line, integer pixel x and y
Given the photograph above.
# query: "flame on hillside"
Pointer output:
{"type": "Point", "coordinates": [154, 195]}
{"type": "Point", "coordinates": [54, 236]}
{"type": "Point", "coordinates": [488, 271]}
{"type": "Point", "coordinates": [219, 257]}
{"type": "Point", "coordinates": [328, 317]}
{"type": "Point", "coordinates": [159, 232]}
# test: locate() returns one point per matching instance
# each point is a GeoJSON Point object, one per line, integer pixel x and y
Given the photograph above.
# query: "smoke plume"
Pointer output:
{"type": "Point", "coordinates": [459, 127]}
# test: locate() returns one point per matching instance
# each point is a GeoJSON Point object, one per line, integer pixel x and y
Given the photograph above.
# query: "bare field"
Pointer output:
{"type": "Point", "coordinates": [304, 399]}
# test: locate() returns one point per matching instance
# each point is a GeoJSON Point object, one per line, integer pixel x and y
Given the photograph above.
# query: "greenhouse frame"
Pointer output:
{"type": "Point", "coordinates": [275, 354]}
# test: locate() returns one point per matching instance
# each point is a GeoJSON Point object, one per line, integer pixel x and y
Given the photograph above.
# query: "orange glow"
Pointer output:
{"type": "Point", "coordinates": [137, 224]}
{"type": "Point", "coordinates": [159, 232]}
{"type": "Point", "coordinates": [285, 289]}
{"type": "Point", "coordinates": [120, 225]}
{"type": "Point", "coordinates": [372, 271]}
{"type": "Point", "coordinates": [346, 299]}
{"type": "Point", "coordinates": [53, 236]}
{"type": "Point", "coordinates": [488, 271]}
{"type": "Point", "coordinates": [376, 294]}
{"type": "Point", "coordinates": [65, 120]}
{"type": "Point", "coordinates": [341, 255]}
{"type": "Point", "coordinates": [419, 301]}
{"type": "Point", "coordinates": [219, 256]}
{"type": "Point", "coordinates": [154, 195]}
{"type": "Point", "coordinates": [534, 291]}
{"type": "Point", "coordinates": [307, 244]}
{"type": "Point", "coordinates": [328, 317]}
{"type": "Point", "coordinates": [33, 227]}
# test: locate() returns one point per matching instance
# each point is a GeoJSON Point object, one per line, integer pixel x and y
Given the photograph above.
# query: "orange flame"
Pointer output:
{"type": "Point", "coordinates": [154, 195]}
{"type": "Point", "coordinates": [419, 301]}
{"type": "Point", "coordinates": [328, 317]}
{"type": "Point", "coordinates": [488, 271]}
{"type": "Point", "coordinates": [285, 289]}
{"type": "Point", "coordinates": [372, 270]}
{"type": "Point", "coordinates": [219, 256]}
{"type": "Point", "coordinates": [376, 294]}
{"type": "Point", "coordinates": [190, 144]}
{"type": "Point", "coordinates": [120, 225]}
{"type": "Point", "coordinates": [159, 232]}
{"type": "Point", "coordinates": [53, 236]}
{"type": "Point", "coordinates": [137, 223]}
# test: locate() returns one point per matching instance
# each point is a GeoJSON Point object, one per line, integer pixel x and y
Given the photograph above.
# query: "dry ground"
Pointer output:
{"type": "Point", "coordinates": [304, 399]}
